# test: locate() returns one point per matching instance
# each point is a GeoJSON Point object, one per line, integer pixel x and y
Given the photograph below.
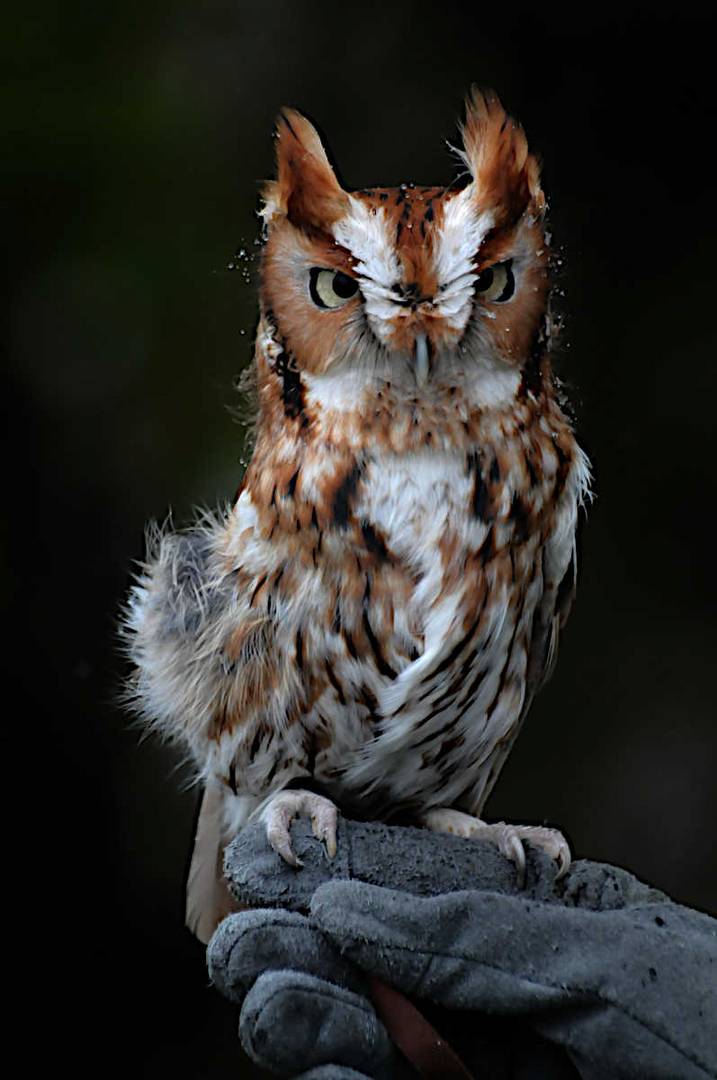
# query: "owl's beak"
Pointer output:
{"type": "Point", "coordinates": [422, 355]}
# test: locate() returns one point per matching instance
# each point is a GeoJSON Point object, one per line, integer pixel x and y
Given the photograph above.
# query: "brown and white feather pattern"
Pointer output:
{"type": "Point", "coordinates": [380, 605]}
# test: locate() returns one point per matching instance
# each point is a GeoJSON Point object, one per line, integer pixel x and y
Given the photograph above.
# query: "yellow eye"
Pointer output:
{"type": "Point", "coordinates": [496, 283]}
{"type": "Point", "coordinates": [330, 288]}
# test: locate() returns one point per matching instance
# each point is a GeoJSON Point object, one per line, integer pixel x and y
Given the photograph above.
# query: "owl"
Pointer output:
{"type": "Point", "coordinates": [366, 627]}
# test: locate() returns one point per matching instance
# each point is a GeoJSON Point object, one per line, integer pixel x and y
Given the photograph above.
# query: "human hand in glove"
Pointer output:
{"type": "Point", "coordinates": [595, 975]}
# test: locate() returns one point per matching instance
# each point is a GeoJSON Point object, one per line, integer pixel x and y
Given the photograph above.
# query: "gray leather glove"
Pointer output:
{"type": "Point", "coordinates": [593, 976]}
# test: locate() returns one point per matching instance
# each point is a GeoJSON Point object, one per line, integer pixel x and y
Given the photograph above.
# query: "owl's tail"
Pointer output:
{"type": "Point", "coordinates": [208, 897]}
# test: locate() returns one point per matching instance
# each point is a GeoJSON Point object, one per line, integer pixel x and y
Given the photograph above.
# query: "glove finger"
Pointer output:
{"type": "Point", "coordinates": [291, 1021]}
{"type": "Point", "coordinates": [248, 943]}
{"type": "Point", "coordinates": [470, 949]}
{"type": "Point", "coordinates": [515, 956]}
{"type": "Point", "coordinates": [411, 860]}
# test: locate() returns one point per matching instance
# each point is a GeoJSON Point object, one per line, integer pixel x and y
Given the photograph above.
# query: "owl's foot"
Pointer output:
{"type": "Point", "coordinates": [507, 838]}
{"type": "Point", "coordinates": [284, 807]}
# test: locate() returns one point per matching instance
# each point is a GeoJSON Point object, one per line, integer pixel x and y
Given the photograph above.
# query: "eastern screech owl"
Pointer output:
{"type": "Point", "coordinates": [368, 624]}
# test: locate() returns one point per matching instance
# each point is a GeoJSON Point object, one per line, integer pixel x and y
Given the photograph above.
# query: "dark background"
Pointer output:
{"type": "Point", "coordinates": [137, 135]}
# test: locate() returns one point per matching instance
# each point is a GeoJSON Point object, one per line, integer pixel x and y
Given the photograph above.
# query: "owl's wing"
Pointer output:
{"type": "Point", "coordinates": [175, 626]}
{"type": "Point", "coordinates": [550, 618]}
{"type": "Point", "coordinates": [172, 628]}
{"type": "Point", "coordinates": [208, 897]}
{"type": "Point", "coordinates": [560, 567]}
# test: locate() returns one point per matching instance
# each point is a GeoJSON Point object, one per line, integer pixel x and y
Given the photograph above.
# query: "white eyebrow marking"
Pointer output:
{"type": "Point", "coordinates": [465, 227]}
{"type": "Point", "coordinates": [365, 232]}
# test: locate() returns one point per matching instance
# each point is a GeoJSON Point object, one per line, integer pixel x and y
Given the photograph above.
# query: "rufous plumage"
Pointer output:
{"type": "Point", "coordinates": [366, 627]}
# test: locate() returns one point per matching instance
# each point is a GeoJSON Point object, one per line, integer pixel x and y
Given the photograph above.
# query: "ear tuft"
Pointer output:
{"type": "Point", "coordinates": [306, 190]}
{"type": "Point", "coordinates": [506, 177]}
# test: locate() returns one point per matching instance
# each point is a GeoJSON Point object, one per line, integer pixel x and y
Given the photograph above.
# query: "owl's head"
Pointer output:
{"type": "Point", "coordinates": [428, 283]}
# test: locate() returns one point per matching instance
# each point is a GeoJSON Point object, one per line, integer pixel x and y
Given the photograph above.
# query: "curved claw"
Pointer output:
{"type": "Point", "coordinates": [563, 861]}
{"type": "Point", "coordinates": [507, 838]}
{"type": "Point", "coordinates": [323, 825]}
{"type": "Point", "coordinates": [277, 818]}
{"type": "Point", "coordinates": [551, 841]}
{"type": "Point", "coordinates": [509, 844]}
{"type": "Point", "coordinates": [279, 813]}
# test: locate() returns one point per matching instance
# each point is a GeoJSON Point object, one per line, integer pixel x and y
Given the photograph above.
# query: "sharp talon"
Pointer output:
{"type": "Point", "coordinates": [563, 861]}
{"type": "Point", "coordinates": [323, 824]}
{"type": "Point", "coordinates": [513, 849]}
{"type": "Point", "coordinates": [507, 838]}
{"type": "Point", "coordinates": [328, 836]}
{"type": "Point", "coordinates": [279, 813]}
{"type": "Point", "coordinates": [519, 861]}
{"type": "Point", "coordinates": [280, 841]}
